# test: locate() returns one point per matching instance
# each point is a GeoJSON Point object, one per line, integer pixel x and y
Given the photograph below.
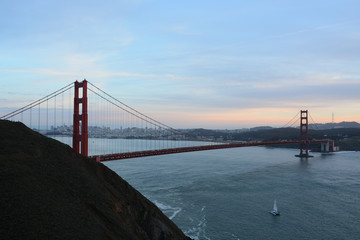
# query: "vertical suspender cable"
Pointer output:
{"type": "Point", "coordinates": [54, 115]}
{"type": "Point", "coordinates": [62, 116]}
{"type": "Point", "coordinates": [39, 118]}
{"type": "Point", "coordinates": [30, 118]}
{"type": "Point", "coordinates": [47, 117]}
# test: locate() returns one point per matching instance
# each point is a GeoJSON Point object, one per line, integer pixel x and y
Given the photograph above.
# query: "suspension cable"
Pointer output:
{"type": "Point", "coordinates": [292, 120]}
{"type": "Point", "coordinates": [152, 121]}
{"type": "Point", "coordinates": [315, 124]}
{"type": "Point", "coordinates": [137, 113]}
{"type": "Point", "coordinates": [37, 102]}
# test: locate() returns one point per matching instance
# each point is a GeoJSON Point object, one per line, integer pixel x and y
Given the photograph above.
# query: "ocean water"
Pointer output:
{"type": "Point", "coordinates": [227, 194]}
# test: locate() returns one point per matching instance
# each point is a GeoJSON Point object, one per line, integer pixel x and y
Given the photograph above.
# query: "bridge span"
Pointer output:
{"type": "Point", "coordinates": [127, 155]}
{"type": "Point", "coordinates": [125, 123]}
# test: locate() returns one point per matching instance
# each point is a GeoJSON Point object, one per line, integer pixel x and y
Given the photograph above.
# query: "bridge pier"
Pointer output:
{"type": "Point", "coordinates": [325, 147]}
{"type": "Point", "coordinates": [329, 146]}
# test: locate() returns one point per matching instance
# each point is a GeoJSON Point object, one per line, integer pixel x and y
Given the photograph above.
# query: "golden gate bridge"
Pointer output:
{"type": "Point", "coordinates": [82, 110]}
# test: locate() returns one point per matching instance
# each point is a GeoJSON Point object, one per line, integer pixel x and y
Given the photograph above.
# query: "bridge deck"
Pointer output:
{"type": "Point", "coordinates": [120, 156]}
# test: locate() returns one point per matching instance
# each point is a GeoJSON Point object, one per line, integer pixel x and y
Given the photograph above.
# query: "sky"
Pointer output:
{"type": "Point", "coordinates": [213, 64]}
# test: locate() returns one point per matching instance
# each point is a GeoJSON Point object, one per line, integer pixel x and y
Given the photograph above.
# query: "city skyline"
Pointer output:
{"type": "Point", "coordinates": [233, 64]}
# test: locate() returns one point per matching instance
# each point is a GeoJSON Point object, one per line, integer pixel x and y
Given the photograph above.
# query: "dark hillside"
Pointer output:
{"type": "Point", "coordinates": [274, 134]}
{"type": "Point", "coordinates": [348, 139]}
{"type": "Point", "coordinates": [50, 192]}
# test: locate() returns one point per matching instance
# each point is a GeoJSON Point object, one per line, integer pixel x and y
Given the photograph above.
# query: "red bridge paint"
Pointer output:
{"type": "Point", "coordinates": [80, 135]}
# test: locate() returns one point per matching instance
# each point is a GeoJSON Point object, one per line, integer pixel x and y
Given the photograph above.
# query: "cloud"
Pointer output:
{"type": "Point", "coordinates": [93, 73]}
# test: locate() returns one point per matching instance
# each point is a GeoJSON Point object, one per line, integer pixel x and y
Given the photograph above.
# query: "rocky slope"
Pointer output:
{"type": "Point", "coordinates": [50, 192]}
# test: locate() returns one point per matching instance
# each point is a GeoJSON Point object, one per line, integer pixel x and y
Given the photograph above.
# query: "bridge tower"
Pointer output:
{"type": "Point", "coordinates": [304, 134]}
{"type": "Point", "coordinates": [80, 122]}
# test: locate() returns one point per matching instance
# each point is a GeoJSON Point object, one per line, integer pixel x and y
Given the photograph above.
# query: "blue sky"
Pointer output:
{"type": "Point", "coordinates": [214, 64]}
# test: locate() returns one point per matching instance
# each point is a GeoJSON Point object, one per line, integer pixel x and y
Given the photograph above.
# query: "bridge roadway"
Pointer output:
{"type": "Point", "coordinates": [121, 156]}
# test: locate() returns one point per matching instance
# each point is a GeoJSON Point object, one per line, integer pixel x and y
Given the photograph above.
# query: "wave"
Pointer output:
{"type": "Point", "coordinates": [168, 210]}
{"type": "Point", "coordinates": [198, 232]}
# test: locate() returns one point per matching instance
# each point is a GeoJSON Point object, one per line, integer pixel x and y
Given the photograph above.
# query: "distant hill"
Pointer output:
{"type": "Point", "coordinates": [345, 134]}
{"type": "Point", "coordinates": [50, 192]}
{"type": "Point", "coordinates": [260, 128]}
{"type": "Point", "coordinates": [324, 126]}
{"type": "Point", "coordinates": [345, 138]}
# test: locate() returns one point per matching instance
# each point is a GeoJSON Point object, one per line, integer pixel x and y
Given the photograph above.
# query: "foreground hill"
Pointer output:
{"type": "Point", "coordinates": [50, 192]}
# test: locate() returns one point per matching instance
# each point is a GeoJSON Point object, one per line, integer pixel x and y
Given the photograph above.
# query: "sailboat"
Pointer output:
{"type": "Point", "coordinates": [275, 211]}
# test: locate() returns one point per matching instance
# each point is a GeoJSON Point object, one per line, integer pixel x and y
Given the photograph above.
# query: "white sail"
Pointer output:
{"type": "Point", "coordinates": [275, 206]}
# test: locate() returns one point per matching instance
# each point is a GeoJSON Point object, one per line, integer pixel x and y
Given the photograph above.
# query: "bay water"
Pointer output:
{"type": "Point", "coordinates": [227, 194]}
